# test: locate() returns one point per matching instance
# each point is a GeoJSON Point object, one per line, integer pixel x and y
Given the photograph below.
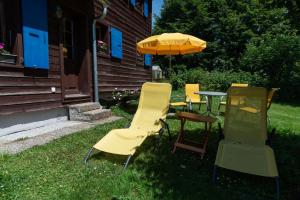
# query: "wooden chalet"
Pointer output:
{"type": "Point", "coordinates": [48, 58]}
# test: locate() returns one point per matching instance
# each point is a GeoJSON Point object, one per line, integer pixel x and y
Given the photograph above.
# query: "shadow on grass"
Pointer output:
{"type": "Point", "coordinates": [129, 107]}
{"type": "Point", "coordinates": [184, 175]}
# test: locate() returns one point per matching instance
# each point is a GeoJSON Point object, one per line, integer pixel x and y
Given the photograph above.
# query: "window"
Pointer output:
{"type": "Point", "coordinates": [8, 27]}
{"type": "Point", "coordinates": [2, 22]}
{"type": "Point", "coordinates": [102, 39]}
{"type": "Point", "coordinates": [68, 39]}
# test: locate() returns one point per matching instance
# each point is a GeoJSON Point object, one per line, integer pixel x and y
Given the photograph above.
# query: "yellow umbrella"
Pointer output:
{"type": "Point", "coordinates": [171, 44]}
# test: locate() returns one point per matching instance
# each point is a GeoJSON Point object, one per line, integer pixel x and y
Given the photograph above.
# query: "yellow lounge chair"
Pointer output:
{"type": "Point", "coordinates": [250, 108]}
{"type": "Point", "coordinates": [190, 97]}
{"type": "Point", "coordinates": [232, 85]}
{"type": "Point", "coordinates": [148, 120]}
{"type": "Point", "coordinates": [243, 145]}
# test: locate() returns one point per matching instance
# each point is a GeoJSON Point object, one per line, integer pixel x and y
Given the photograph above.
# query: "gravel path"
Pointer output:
{"type": "Point", "coordinates": [14, 143]}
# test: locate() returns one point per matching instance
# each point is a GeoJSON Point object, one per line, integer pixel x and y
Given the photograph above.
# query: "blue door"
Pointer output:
{"type": "Point", "coordinates": [35, 33]}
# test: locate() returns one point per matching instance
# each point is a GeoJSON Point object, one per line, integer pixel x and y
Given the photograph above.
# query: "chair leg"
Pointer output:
{"type": "Point", "coordinates": [168, 129]}
{"type": "Point", "coordinates": [88, 155]}
{"type": "Point", "coordinates": [215, 174]}
{"type": "Point", "coordinates": [165, 126]}
{"type": "Point", "coordinates": [127, 161]}
{"type": "Point", "coordinates": [277, 187]}
{"type": "Point", "coordinates": [159, 139]}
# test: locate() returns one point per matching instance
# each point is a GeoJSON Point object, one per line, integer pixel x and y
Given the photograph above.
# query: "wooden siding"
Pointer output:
{"type": "Point", "coordinates": [24, 90]}
{"type": "Point", "coordinates": [128, 73]}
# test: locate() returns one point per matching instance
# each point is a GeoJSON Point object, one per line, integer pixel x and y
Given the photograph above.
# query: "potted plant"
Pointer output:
{"type": "Point", "coordinates": [5, 56]}
{"type": "Point", "coordinates": [102, 47]}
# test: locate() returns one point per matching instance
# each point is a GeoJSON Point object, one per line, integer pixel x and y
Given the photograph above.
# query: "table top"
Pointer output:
{"type": "Point", "coordinates": [211, 93]}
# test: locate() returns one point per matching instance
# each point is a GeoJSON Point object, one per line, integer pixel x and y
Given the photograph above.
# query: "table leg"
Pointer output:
{"type": "Point", "coordinates": [207, 131]}
{"type": "Point", "coordinates": [182, 130]}
{"type": "Point", "coordinates": [180, 135]}
{"type": "Point", "coordinates": [209, 104]}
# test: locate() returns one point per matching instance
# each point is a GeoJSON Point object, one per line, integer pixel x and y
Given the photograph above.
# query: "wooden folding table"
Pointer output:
{"type": "Point", "coordinates": [180, 142]}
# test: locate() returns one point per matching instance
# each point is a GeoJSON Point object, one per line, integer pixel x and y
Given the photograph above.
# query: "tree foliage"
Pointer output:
{"type": "Point", "coordinates": [250, 35]}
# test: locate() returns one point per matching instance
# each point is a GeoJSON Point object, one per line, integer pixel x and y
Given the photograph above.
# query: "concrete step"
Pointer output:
{"type": "Point", "coordinates": [92, 115]}
{"type": "Point", "coordinates": [83, 107]}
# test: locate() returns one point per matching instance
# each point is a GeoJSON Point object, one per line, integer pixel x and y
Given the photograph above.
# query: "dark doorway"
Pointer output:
{"type": "Point", "coordinates": [75, 50]}
{"type": "Point", "coordinates": [72, 52]}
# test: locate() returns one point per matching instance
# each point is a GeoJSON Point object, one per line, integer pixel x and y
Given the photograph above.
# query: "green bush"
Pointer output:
{"type": "Point", "coordinates": [221, 81]}
{"type": "Point", "coordinates": [277, 57]}
{"type": "Point", "coordinates": [215, 80]}
{"type": "Point", "coordinates": [178, 75]}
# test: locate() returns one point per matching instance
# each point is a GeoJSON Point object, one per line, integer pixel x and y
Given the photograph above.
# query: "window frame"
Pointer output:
{"type": "Point", "coordinates": [71, 33]}
{"type": "Point", "coordinates": [107, 39]}
{"type": "Point", "coordinates": [2, 22]}
{"type": "Point", "coordinates": [13, 31]}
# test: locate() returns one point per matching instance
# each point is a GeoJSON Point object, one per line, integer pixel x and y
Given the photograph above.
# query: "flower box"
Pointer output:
{"type": "Point", "coordinates": [8, 58]}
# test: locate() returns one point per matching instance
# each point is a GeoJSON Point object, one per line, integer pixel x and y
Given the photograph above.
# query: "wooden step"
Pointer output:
{"type": "Point", "coordinates": [91, 115]}
{"type": "Point", "coordinates": [84, 107]}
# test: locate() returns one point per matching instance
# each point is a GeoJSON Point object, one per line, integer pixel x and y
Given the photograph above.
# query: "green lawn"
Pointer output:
{"type": "Point", "coordinates": [56, 170]}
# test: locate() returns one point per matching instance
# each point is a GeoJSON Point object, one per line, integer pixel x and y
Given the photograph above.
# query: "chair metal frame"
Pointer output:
{"type": "Point", "coordinates": [165, 126]}
{"type": "Point", "coordinates": [267, 142]}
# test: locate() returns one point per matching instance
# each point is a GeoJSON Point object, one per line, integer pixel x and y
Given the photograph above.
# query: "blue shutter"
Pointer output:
{"type": "Point", "coordinates": [116, 43]}
{"type": "Point", "coordinates": [146, 8]}
{"type": "Point", "coordinates": [133, 2]}
{"type": "Point", "coordinates": [147, 60]}
{"type": "Point", "coordinates": [35, 33]}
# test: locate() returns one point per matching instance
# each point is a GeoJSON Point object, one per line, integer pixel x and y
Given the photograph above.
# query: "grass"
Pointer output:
{"type": "Point", "coordinates": [56, 170]}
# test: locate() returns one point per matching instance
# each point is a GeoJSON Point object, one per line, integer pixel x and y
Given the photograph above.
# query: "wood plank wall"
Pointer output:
{"type": "Point", "coordinates": [129, 73]}
{"type": "Point", "coordinates": [23, 89]}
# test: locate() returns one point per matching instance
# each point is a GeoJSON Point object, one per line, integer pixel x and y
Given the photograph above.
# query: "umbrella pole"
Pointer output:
{"type": "Point", "coordinates": [170, 62]}
{"type": "Point", "coordinates": [170, 65]}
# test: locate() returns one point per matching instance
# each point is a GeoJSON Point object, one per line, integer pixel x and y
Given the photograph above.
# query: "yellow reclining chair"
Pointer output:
{"type": "Point", "coordinates": [190, 97]}
{"type": "Point", "coordinates": [252, 109]}
{"type": "Point", "coordinates": [148, 120]}
{"type": "Point", "coordinates": [245, 145]}
{"type": "Point", "coordinates": [232, 85]}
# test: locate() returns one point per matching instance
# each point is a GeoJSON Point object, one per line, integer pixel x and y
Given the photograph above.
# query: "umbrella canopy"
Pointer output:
{"type": "Point", "coordinates": [171, 44]}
